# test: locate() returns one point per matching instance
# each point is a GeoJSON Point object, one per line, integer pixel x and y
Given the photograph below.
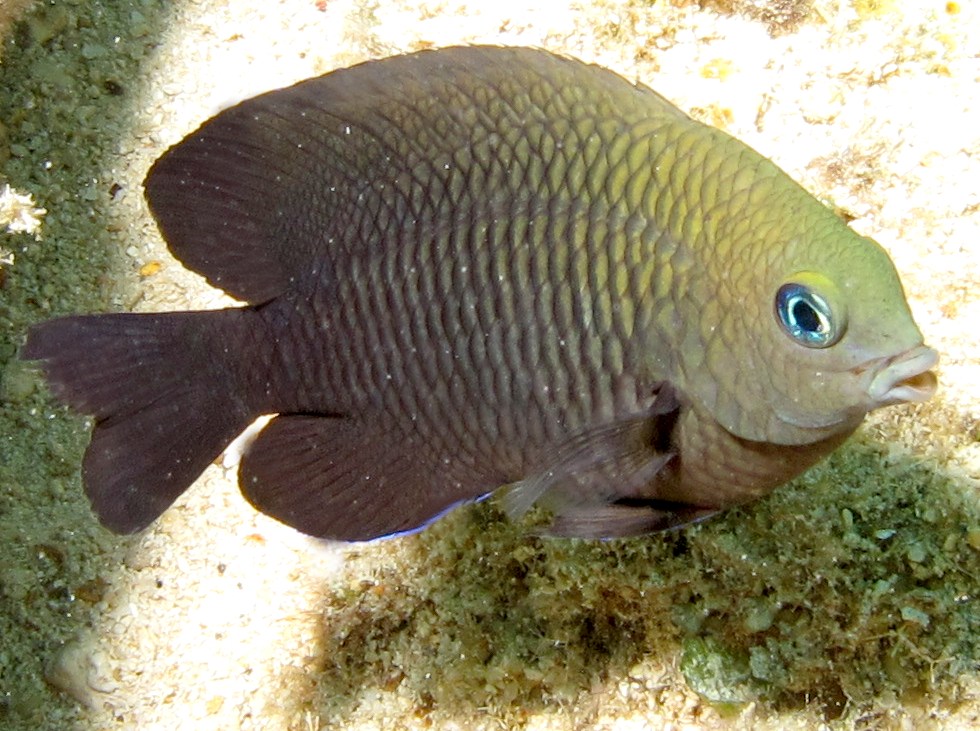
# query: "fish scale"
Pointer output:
{"type": "Point", "coordinates": [477, 267]}
{"type": "Point", "coordinates": [545, 309]}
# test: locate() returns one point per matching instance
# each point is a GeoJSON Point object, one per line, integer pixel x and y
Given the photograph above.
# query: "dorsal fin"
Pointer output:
{"type": "Point", "coordinates": [271, 186]}
{"type": "Point", "coordinates": [219, 197]}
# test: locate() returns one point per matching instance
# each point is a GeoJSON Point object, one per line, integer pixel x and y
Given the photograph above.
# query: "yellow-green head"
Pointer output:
{"type": "Point", "coordinates": [802, 326]}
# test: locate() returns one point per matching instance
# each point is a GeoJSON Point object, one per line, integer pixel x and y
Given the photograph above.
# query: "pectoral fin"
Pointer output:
{"type": "Point", "coordinates": [601, 481]}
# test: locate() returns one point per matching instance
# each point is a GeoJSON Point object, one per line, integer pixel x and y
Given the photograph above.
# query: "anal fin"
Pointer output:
{"type": "Point", "coordinates": [340, 478]}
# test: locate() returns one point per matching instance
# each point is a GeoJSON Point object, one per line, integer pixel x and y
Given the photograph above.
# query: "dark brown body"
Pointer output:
{"type": "Point", "coordinates": [465, 269]}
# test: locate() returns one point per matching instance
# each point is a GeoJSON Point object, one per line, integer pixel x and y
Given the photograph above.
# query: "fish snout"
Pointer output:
{"type": "Point", "coordinates": [902, 378]}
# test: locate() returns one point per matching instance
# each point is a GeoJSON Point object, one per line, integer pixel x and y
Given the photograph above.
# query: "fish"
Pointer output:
{"type": "Point", "coordinates": [477, 271]}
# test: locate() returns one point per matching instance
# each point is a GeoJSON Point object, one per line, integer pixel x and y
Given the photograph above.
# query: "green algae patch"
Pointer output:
{"type": "Point", "coordinates": [790, 602]}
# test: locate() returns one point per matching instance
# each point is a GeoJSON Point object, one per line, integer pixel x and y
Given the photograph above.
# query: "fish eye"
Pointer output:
{"type": "Point", "coordinates": [806, 316]}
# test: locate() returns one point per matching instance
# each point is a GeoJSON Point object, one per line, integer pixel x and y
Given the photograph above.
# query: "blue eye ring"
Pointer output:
{"type": "Point", "coordinates": [806, 316]}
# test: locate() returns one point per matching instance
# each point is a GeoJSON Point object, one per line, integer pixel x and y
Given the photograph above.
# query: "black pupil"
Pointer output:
{"type": "Point", "coordinates": [806, 317]}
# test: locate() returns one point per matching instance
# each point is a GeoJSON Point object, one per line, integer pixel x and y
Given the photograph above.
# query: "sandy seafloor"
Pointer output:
{"type": "Point", "coordinates": [848, 599]}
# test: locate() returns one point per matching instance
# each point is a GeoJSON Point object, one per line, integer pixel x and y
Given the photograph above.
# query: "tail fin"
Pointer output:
{"type": "Point", "coordinates": [163, 395]}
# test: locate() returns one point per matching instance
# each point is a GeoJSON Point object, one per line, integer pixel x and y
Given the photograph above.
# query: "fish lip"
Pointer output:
{"type": "Point", "coordinates": [901, 378]}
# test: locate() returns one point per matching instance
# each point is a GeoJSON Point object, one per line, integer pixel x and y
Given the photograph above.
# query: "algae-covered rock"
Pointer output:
{"type": "Point", "coordinates": [716, 673]}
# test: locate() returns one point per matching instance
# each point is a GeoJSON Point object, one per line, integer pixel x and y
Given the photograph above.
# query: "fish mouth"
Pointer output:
{"type": "Point", "coordinates": [901, 378]}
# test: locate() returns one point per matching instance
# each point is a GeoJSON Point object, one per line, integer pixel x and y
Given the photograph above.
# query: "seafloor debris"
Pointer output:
{"type": "Point", "coordinates": [18, 214]}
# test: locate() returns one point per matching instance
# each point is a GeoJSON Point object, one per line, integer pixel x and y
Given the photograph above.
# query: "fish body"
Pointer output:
{"type": "Point", "coordinates": [481, 267]}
